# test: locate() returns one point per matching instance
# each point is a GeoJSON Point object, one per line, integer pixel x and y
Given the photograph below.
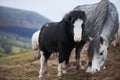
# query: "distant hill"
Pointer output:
{"type": "Point", "coordinates": [17, 27]}
{"type": "Point", "coordinates": [21, 18]}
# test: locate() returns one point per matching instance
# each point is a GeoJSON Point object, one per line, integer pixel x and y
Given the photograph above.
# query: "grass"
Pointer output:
{"type": "Point", "coordinates": [21, 66]}
{"type": "Point", "coordinates": [17, 65]}
{"type": "Point", "coordinates": [16, 58]}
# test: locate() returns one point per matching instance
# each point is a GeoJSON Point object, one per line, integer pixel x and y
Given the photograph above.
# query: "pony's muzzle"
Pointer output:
{"type": "Point", "coordinates": [77, 39]}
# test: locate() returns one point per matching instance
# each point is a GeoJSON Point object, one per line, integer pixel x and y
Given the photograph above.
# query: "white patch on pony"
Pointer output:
{"type": "Point", "coordinates": [59, 70]}
{"type": "Point", "coordinates": [42, 63]}
{"type": "Point", "coordinates": [64, 67]}
{"type": "Point", "coordinates": [77, 30]}
{"type": "Point", "coordinates": [95, 66]}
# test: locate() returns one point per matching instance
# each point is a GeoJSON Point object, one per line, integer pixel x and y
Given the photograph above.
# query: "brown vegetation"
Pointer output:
{"type": "Point", "coordinates": [22, 67]}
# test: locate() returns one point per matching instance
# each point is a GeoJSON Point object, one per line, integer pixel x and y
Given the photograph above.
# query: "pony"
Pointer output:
{"type": "Point", "coordinates": [60, 37]}
{"type": "Point", "coordinates": [35, 44]}
{"type": "Point", "coordinates": [99, 29]}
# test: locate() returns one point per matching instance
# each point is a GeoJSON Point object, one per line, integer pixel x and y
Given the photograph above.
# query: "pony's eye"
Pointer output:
{"type": "Point", "coordinates": [101, 53]}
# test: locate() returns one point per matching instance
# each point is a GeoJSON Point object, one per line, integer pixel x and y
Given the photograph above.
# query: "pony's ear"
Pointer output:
{"type": "Point", "coordinates": [90, 38]}
{"type": "Point", "coordinates": [84, 15]}
{"type": "Point", "coordinates": [101, 40]}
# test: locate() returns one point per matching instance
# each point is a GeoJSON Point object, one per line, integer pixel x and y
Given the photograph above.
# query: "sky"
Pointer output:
{"type": "Point", "coordinates": [52, 9]}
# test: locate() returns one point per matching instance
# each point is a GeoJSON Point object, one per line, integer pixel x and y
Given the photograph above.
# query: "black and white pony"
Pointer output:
{"type": "Point", "coordinates": [60, 37]}
{"type": "Point", "coordinates": [100, 27]}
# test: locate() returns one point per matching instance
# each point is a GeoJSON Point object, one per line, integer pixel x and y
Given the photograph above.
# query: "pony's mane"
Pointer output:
{"type": "Point", "coordinates": [94, 46]}
{"type": "Point", "coordinates": [75, 14]}
{"type": "Point", "coordinates": [96, 23]}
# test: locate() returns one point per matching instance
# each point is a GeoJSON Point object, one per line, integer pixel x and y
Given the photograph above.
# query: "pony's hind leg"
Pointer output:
{"type": "Point", "coordinates": [47, 55]}
{"type": "Point", "coordinates": [42, 64]}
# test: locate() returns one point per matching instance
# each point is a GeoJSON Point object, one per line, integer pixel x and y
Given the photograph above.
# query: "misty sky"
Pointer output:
{"type": "Point", "coordinates": [52, 9]}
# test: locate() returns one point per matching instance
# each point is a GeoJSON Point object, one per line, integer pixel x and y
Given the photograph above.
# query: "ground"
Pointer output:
{"type": "Point", "coordinates": [21, 66]}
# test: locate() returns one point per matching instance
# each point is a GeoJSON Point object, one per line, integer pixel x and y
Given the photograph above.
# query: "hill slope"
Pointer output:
{"type": "Point", "coordinates": [21, 18]}
{"type": "Point", "coordinates": [17, 27]}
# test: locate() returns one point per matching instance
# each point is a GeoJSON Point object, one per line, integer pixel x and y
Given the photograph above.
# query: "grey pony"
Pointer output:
{"type": "Point", "coordinates": [101, 26]}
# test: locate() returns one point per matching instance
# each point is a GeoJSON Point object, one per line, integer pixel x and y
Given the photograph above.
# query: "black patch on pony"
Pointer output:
{"type": "Point", "coordinates": [73, 15]}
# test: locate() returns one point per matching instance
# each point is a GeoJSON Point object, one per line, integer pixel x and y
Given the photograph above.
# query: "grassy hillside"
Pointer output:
{"type": "Point", "coordinates": [8, 41]}
{"type": "Point", "coordinates": [17, 27]}
{"type": "Point", "coordinates": [21, 66]}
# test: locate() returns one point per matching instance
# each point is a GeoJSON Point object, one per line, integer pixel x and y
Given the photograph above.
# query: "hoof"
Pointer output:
{"type": "Point", "coordinates": [59, 74]}
{"type": "Point", "coordinates": [64, 71]}
{"type": "Point", "coordinates": [40, 77]}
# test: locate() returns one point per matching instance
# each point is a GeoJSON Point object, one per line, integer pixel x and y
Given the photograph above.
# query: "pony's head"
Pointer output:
{"type": "Point", "coordinates": [97, 53]}
{"type": "Point", "coordinates": [76, 20]}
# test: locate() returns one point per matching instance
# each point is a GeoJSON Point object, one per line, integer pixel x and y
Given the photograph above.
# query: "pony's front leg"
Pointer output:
{"type": "Point", "coordinates": [61, 60]}
{"type": "Point", "coordinates": [45, 71]}
{"type": "Point", "coordinates": [79, 47]}
{"type": "Point", "coordinates": [66, 62]}
{"type": "Point", "coordinates": [59, 70]}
